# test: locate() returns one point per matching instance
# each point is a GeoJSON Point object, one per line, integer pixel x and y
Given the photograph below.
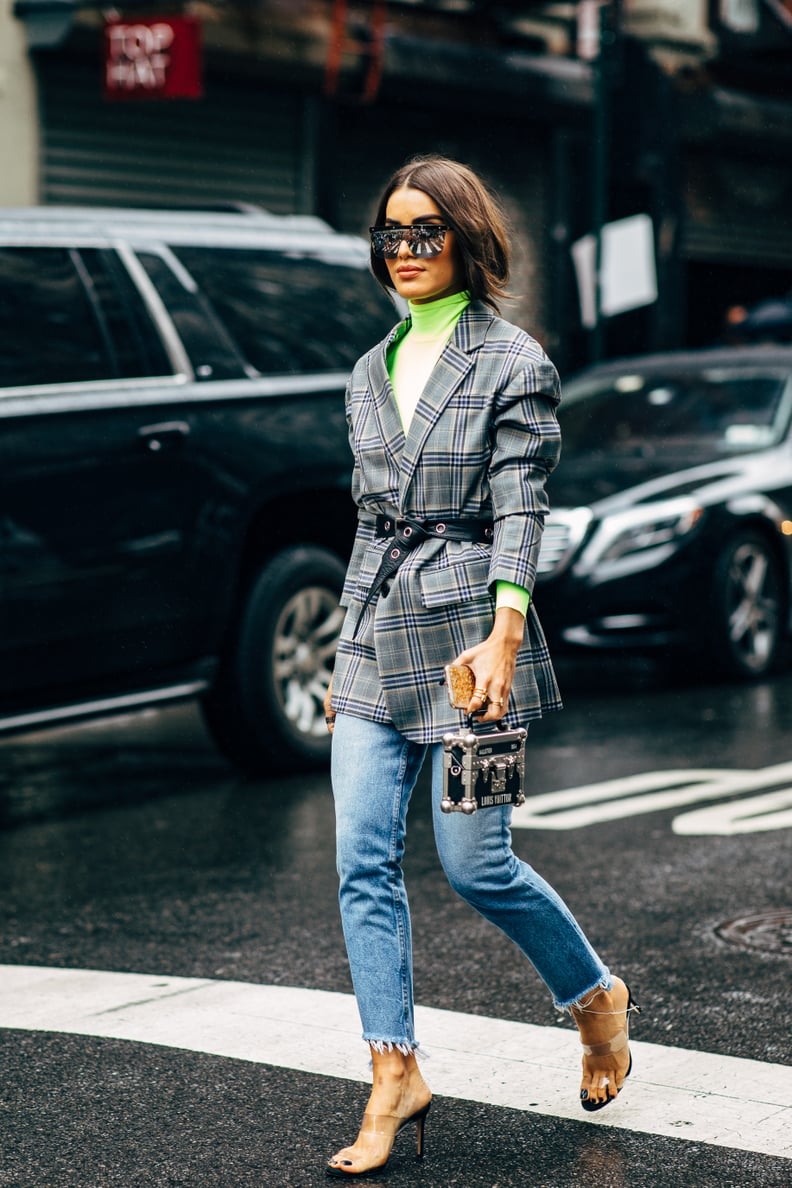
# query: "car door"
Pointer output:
{"type": "Point", "coordinates": [97, 498]}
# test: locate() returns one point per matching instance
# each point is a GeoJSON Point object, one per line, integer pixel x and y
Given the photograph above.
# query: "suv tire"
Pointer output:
{"type": "Point", "coordinates": [265, 710]}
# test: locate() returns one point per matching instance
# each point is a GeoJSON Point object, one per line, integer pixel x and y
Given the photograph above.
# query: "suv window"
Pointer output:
{"type": "Point", "coordinates": [69, 316]}
{"type": "Point", "coordinates": [291, 313]}
{"type": "Point", "coordinates": [206, 341]}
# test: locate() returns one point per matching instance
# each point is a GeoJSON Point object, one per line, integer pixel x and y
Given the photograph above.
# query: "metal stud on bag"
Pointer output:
{"type": "Point", "coordinates": [483, 768]}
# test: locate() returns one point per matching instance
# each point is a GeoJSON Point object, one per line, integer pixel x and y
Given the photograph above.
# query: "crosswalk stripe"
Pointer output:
{"type": "Point", "coordinates": [700, 1097]}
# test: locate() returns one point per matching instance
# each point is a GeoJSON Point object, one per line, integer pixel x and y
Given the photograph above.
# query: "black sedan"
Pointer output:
{"type": "Point", "coordinates": [671, 520]}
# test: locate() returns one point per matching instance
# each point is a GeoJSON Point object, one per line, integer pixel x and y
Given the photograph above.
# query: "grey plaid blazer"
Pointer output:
{"type": "Point", "coordinates": [482, 442]}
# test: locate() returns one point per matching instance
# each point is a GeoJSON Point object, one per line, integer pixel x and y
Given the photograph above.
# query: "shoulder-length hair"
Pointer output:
{"type": "Point", "coordinates": [471, 211]}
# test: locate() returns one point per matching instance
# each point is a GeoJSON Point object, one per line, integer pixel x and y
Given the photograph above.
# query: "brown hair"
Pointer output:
{"type": "Point", "coordinates": [471, 211]}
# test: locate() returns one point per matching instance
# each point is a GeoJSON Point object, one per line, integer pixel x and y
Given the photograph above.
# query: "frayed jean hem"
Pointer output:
{"type": "Point", "coordinates": [407, 1048]}
{"type": "Point", "coordinates": [579, 1002]}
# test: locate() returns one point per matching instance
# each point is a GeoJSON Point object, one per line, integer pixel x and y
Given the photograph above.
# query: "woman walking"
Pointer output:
{"type": "Point", "coordinates": [453, 429]}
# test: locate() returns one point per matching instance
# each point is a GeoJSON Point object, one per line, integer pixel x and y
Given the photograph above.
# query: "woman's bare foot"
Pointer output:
{"type": "Point", "coordinates": [602, 1024]}
{"type": "Point", "coordinates": [398, 1095]}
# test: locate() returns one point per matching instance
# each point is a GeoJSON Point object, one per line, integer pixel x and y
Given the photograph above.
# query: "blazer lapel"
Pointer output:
{"type": "Point", "coordinates": [382, 395]}
{"type": "Point", "coordinates": [456, 360]}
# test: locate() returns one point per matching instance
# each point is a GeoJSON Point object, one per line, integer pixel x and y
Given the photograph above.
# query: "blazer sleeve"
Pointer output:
{"type": "Point", "coordinates": [526, 446]}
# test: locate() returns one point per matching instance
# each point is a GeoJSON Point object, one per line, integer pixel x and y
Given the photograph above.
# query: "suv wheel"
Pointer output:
{"type": "Point", "coordinates": [266, 709]}
{"type": "Point", "coordinates": [748, 600]}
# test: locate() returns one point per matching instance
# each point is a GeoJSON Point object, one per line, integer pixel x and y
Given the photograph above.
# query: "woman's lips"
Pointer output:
{"type": "Point", "coordinates": [408, 271]}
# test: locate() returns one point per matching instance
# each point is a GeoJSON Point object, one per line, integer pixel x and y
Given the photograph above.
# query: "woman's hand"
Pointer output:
{"type": "Point", "coordinates": [493, 662]}
{"type": "Point", "coordinates": [328, 709]}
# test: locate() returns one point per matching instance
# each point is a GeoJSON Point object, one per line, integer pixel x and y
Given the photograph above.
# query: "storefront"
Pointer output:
{"type": "Point", "coordinates": [233, 145]}
{"type": "Point", "coordinates": [268, 130]}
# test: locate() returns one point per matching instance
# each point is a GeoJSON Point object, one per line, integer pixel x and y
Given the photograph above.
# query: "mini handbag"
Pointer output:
{"type": "Point", "coordinates": [483, 767]}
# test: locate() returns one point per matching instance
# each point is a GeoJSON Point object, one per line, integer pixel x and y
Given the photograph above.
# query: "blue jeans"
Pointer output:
{"type": "Point", "coordinates": [374, 770]}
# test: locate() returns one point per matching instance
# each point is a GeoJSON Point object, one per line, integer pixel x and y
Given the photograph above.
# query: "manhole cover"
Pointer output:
{"type": "Point", "coordinates": [769, 931]}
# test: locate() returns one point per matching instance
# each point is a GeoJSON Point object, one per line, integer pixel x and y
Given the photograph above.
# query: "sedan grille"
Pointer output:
{"type": "Point", "coordinates": [563, 531]}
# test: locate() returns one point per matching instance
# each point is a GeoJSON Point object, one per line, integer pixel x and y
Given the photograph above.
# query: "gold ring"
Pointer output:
{"type": "Point", "coordinates": [481, 693]}
{"type": "Point", "coordinates": [498, 701]}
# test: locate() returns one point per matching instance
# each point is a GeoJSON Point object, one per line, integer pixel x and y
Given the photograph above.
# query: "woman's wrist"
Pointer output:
{"type": "Point", "coordinates": [509, 626]}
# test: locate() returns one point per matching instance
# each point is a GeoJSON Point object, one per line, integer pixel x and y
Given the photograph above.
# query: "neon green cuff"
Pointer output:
{"type": "Point", "coordinates": [507, 594]}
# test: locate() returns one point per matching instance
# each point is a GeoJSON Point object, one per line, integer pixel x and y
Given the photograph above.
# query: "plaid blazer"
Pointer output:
{"type": "Point", "coordinates": [481, 444]}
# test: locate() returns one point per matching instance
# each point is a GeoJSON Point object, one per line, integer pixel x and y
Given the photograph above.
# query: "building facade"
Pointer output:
{"type": "Point", "coordinates": [578, 114]}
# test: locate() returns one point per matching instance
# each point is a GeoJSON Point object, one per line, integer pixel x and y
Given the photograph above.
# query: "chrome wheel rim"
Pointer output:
{"type": "Point", "coordinates": [752, 605]}
{"type": "Point", "coordinates": [306, 635]}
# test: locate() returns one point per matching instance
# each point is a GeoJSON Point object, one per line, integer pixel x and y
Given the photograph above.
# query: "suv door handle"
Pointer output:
{"type": "Point", "coordinates": [164, 436]}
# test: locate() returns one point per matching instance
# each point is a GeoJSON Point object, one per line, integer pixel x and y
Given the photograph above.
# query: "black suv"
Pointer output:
{"type": "Point", "coordinates": [174, 467]}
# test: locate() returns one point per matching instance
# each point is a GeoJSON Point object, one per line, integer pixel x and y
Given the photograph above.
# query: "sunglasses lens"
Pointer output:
{"type": "Point", "coordinates": [427, 241]}
{"type": "Point", "coordinates": [386, 242]}
{"type": "Point", "coordinates": [423, 239]}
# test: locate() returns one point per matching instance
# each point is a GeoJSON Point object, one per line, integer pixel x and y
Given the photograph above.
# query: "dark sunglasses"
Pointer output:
{"type": "Point", "coordinates": [423, 239]}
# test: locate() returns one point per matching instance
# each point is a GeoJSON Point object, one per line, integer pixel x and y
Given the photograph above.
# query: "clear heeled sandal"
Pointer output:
{"type": "Point", "coordinates": [609, 1047]}
{"type": "Point", "coordinates": [385, 1126]}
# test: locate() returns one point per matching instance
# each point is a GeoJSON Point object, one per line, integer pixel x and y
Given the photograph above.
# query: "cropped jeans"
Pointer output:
{"type": "Point", "coordinates": [374, 770]}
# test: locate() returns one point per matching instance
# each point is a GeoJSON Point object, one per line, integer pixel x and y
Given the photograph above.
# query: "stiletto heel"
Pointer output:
{"type": "Point", "coordinates": [420, 1126]}
{"type": "Point", "coordinates": [610, 1047]}
{"type": "Point", "coordinates": [388, 1126]}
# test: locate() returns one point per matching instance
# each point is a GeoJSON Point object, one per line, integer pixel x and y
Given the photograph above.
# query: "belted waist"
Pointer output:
{"type": "Point", "coordinates": [473, 530]}
{"type": "Point", "coordinates": [407, 534]}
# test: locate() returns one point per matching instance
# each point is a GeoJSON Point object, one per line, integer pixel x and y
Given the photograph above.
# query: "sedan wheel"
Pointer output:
{"type": "Point", "coordinates": [749, 601]}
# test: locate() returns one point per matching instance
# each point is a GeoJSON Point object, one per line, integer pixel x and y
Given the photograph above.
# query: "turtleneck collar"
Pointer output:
{"type": "Point", "coordinates": [433, 319]}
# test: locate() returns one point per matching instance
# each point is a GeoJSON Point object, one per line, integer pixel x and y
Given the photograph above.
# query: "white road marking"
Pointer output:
{"type": "Point", "coordinates": [755, 814]}
{"type": "Point", "coordinates": [655, 791]}
{"type": "Point", "coordinates": [682, 1094]}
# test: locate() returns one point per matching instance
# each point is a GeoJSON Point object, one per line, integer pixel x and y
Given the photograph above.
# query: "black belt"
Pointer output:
{"type": "Point", "coordinates": [407, 534]}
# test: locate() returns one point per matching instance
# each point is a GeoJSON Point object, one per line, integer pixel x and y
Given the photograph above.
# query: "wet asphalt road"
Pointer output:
{"type": "Point", "coordinates": [131, 846]}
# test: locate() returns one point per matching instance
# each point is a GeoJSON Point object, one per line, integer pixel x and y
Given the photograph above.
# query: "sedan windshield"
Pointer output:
{"type": "Point", "coordinates": [697, 416]}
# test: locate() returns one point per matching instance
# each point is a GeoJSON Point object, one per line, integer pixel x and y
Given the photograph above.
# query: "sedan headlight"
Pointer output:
{"type": "Point", "coordinates": [639, 538]}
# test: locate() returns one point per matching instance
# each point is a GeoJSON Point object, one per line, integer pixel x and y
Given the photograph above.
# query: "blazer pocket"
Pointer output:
{"type": "Point", "coordinates": [368, 569]}
{"type": "Point", "coordinates": [464, 580]}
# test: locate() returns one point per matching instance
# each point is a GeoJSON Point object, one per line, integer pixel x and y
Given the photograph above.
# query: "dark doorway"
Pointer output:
{"type": "Point", "coordinates": [714, 288]}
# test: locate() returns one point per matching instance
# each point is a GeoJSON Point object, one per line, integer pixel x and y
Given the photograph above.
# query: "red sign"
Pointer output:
{"type": "Point", "coordinates": [153, 58]}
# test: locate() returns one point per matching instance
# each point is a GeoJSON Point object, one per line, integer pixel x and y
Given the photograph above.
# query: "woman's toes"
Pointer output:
{"type": "Point", "coordinates": [341, 1159]}
{"type": "Point", "coordinates": [597, 1095]}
